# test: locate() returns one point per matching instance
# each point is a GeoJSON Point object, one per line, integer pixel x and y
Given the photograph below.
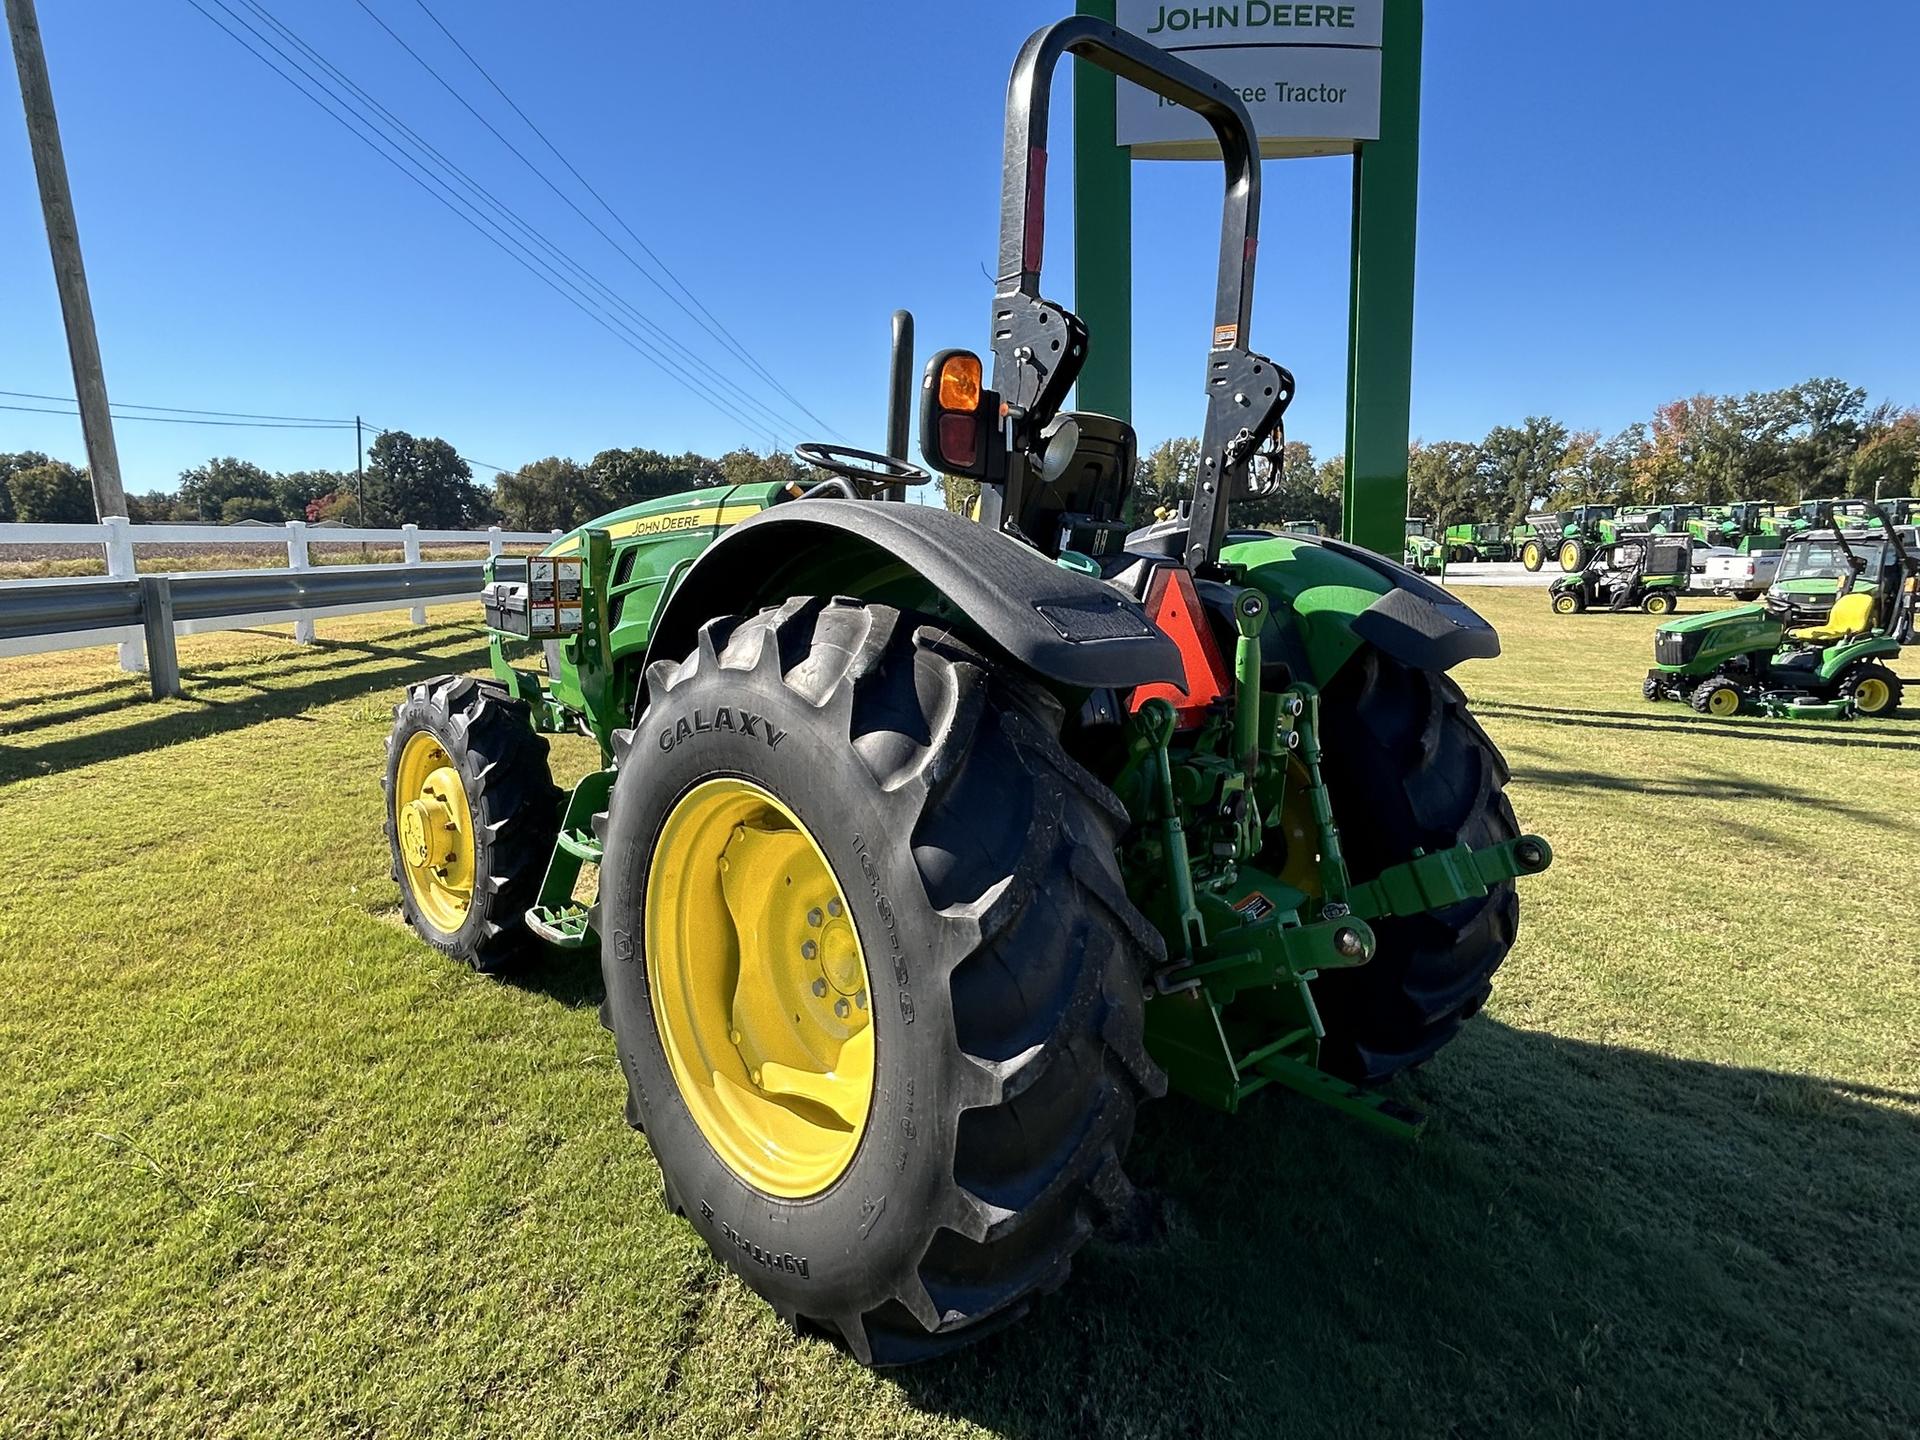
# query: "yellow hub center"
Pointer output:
{"type": "Point", "coordinates": [759, 988]}
{"type": "Point", "coordinates": [1723, 702]}
{"type": "Point", "coordinates": [1870, 695]}
{"type": "Point", "coordinates": [436, 832]}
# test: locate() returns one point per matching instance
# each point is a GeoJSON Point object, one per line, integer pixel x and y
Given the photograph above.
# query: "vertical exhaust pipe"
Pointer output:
{"type": "Point", "coordinates": [900, 393]}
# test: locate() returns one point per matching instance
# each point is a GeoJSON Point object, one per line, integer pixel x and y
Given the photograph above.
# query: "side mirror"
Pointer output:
{"type": "Point", "coordinates": [960, 420]}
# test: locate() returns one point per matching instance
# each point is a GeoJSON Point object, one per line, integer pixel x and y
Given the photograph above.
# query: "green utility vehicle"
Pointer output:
{"type": "Point", "coordinates": [1468, 543]}
{"type": "Point", "coordinates": [1819, 645]}
{"type": "Point", "coordinates": [1422, 552]}
{"type": "Point", "coordinates": [923, 849]}
{"type": "Point", "coordinates": [1649, 572]}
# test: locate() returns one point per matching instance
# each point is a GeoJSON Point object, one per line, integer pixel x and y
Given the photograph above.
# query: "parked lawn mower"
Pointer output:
{"type": "Point", "coordinates": [1648, 572]}
{"type": "Point", "coordinates": [1840, 608]}
{"type": "Point", "coordinates": [922, 850]}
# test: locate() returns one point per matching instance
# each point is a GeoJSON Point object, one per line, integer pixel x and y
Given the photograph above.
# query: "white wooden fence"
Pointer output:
{"type": "Point", "coordinates": [412, 585]}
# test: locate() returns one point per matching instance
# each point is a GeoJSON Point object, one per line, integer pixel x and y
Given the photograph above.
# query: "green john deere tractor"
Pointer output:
{"type": "Point", "coordinates": [1469, 542]}
{"type": "Point", "coordinates": [1422, 552]}
{"type": "Point", "coordinates": [1841, 606]}
{"type": "Point", "coordinates": [1646, 572]}
{"type": "Point", "coordinates": [922, 850]}
{"type": "Point", "coordinates": [1741, 526]}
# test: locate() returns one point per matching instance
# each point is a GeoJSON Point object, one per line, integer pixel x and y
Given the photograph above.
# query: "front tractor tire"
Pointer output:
{"type": "Point", "coordinates": [1412, 770]}
{"type": "Point", "coordinates": [874, 976]}
{"type": "Point", "coordinates": [471, 816]}
{"type": "Point", "coordinates": [1573, 555]}
{"type": "Point", "coordinates": [1533, 554]}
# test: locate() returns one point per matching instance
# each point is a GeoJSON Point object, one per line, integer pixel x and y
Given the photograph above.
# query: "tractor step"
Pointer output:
{"type": "Point", "coordinates": [581, 845]}
{"type": "Point", "coordinates": [566, 926]}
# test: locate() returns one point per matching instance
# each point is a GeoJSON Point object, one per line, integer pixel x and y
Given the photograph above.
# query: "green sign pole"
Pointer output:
{"type": "Point", "coordinates": [1386, 185]}
{"type": "Point", "coordinates": [1386, 176]}
{"type": "Point", "coordinates": [1102, 238]}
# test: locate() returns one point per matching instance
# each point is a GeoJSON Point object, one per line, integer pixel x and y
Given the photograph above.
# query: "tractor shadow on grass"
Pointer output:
{"type": "Point", "coordinates": [1590, 1239]}
{"type": "Point", "coordinates": [1866, 735]}
{"type": "Point", "coordinates": [230, 695]}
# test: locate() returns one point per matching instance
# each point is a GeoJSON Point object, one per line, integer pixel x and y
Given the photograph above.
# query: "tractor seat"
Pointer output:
{"type": "Point", "coordinates": [1851, 615]}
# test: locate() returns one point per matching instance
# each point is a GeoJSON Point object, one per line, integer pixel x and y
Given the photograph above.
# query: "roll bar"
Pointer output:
{"type": "Point", "coordinates": [1024, 177]}
{"type": "Point", "coordinates": [1038, 347]}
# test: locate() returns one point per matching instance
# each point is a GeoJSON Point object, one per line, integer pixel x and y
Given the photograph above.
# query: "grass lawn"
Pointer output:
{"type": "Point", "coordinates": [268, 1167]}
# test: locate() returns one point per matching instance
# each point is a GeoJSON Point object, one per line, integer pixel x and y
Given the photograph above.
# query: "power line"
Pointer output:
{"type": "Point", "coordinates": [379, 430]}
{"type": "Point", "coordinates": [173, 420]}
{"type": "Point", "coordinates": [182, 410]}
{"type": "Point", "coordinates": [617, 218]}
{"type": "Point", "coordinates": [439, 159]}
{"type": "Point", "coordinates": [381, 147]}
{"type": "Point", "coordinates": [567, 199]}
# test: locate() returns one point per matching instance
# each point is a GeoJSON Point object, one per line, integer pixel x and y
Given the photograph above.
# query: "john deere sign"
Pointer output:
{"type": "Point", "coordinates": [1308, 74]}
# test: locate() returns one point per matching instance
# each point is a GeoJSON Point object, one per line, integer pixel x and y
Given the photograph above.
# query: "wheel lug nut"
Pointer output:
{"type": "Point", "coordinates": [754, 1076]}
{"type": "Point", "coordinates": [813, 917]}
{"type": "Point", "coordinates": [733, 1036]}
{"type": "Point", "coordinates": [861, 999]}
{"type": "Point", "coordinates": [820, 989]}
{"type": "Point", "coordinates": [833, 908]}
{"type": "Point", "coordinates": [808, 950]}
{"type": "Point", "coordinates": [841, 1008]}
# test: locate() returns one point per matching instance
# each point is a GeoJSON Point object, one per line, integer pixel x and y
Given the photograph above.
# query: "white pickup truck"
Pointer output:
{"type": "Point", "coordinates": [1728, 572]}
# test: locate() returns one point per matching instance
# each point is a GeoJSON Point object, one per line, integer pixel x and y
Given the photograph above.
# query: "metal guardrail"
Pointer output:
{"type": "Point", "coordinates": [143, 613]}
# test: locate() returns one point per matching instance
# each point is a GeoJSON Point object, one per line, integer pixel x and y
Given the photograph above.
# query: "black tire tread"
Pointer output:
{"type": "Point", "coordinates": [1045, 954]}
{"type": "Point", "coordinates": [1413, 768]}
{"type": "Point", "coordinates": [511, 794]}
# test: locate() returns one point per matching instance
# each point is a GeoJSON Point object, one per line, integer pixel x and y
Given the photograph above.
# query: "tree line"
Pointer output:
{"type": "Point", "coordinates": [1818, 439]}
{"type": "Point", "coordinates": [419, 480]}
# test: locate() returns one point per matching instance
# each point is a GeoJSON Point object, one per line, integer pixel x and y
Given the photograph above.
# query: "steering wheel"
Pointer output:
{"type": "Point", "coordinates": [863, 467]}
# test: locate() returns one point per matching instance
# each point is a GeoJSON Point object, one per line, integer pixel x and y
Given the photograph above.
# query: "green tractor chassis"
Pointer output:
{"type": "Point", "coordinates": [924, 848]}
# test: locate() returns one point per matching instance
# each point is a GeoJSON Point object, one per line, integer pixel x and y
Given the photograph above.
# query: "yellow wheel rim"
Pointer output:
{"type": "Point", "coordinates": [1723, 702]}
{"type": "Point", "coordinates": [759, 988]}
{"type": "Point", "coordinates": [1563, 603]}
{"type": "Point", "coordinates": [1870, 695]}
{"type": "Point", "coordinates": [1569, 555]}
{"type": "Point", "coordinates": [1659, 604]}
{"type": "Point", "coordinates": [436, 832]}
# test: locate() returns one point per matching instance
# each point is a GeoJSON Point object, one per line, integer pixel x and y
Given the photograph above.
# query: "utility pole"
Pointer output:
{"type": "Point", "coordinates": [63, 239]}
{"type": "Point", "coordinates": [359, 473]}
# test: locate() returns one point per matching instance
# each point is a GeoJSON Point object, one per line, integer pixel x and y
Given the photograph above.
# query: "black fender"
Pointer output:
{"type": "Point", "coordinates": [1417, 622]}
{"type": "Point", "coordinates": [1067, 628]}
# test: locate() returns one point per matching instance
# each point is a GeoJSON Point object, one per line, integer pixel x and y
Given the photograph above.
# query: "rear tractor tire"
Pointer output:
{"type": "Point", "coordinates": [1874, 689]}
{"type": "Point", "coordinates": [1573, 555]}
{"type": "Point", "coordinates": [1533, 554]}
{"type": "Point", "coordinates": [1412, 769]}
{"type": "Point", "coordinates": [875, 979]}
{"type": "Point", "coordinates": [471, 816]}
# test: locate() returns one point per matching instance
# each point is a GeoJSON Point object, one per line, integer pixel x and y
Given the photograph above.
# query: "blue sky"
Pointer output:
{"type": "Point", "coordinates": [1620, 204]}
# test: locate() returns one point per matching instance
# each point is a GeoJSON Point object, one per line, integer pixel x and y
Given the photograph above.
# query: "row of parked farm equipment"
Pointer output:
{"type": "Point", "coordinates": [1571, 536]}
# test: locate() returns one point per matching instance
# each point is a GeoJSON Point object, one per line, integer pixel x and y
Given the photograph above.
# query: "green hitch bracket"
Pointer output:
{"type": "Point", "coordinates": [1333, 863]}
{"type": "Point", "coordinates": [1447, 877]}
{"type": "Point", "coordinates": [1388, 1116]}
{"type": "Point", "coordinates": [1250, 617]}
{"type": "Point", "coordinates": [1267, 953]}
{"type": "Point", "coordinates": [1157, 721]}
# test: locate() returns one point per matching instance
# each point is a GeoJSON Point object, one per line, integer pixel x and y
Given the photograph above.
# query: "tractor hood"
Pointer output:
{"type": "Point", "coordinates": [711, 508]}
